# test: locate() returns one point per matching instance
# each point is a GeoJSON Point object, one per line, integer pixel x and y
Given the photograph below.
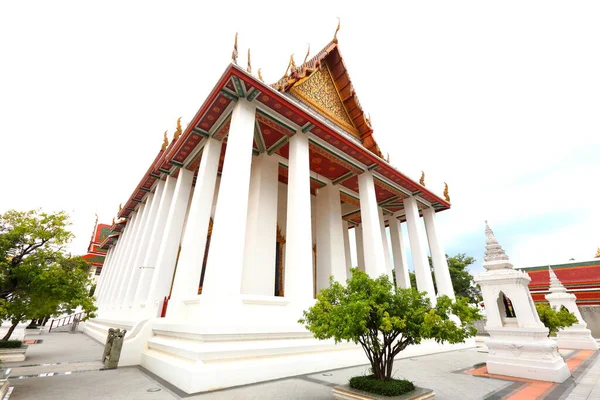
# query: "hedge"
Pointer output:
{"type": "Point", "coordinates": [388, 387]}
{"type": "Point", "coordinates": [10, 344]}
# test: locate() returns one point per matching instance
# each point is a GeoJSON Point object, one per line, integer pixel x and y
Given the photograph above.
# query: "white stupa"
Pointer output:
{"type": "Point", "coordinates": [518, 344]}
{"type": "Point", "coordinates": [577, 336]}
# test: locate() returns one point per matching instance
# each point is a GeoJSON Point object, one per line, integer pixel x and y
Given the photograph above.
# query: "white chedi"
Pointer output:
{"type": "Point", "coordinates": [518, 344]}
{"type": "Point", "coordinates": [576, 336]}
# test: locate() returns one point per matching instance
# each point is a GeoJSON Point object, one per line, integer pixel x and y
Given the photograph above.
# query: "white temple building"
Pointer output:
{"type": "Point", "coordinates": [245, 215]}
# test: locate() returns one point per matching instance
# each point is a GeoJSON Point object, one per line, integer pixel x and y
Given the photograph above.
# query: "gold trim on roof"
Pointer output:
{"type": "Point", "coordinates": [234, 53]}
{"type": "Point", "coordinates": [178, 130]}
{"type": "Point", "coordinates": [165, 142]}
{"type": "Point", "coordinates": [422, 180]}
{"type": "Point", "coordinates": [249, 67]}
{"type": "Point", "coordinates": [446, 195]}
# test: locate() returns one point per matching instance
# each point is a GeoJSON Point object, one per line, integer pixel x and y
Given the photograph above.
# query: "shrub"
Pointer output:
{"type": "Point", "coordinates": [387, 387]}
{"type": "Point", "coordinates": [555, 320]}
{"type": "Point", "coordinates": [10, 344]}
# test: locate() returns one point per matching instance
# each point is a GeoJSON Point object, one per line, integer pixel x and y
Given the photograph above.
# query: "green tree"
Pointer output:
{"type": "Point", "coordinates": [462, 280]}
{"type": "Point", "coordinates": [384, 319]}
{"type": "Point", "coordinates": [555, 320]}
{"type": "Point", "coordinates": [37, 277]}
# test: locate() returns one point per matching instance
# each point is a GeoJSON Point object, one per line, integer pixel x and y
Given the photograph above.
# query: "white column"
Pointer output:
{"type": "Point", "coordinates": [360, 249]}
{"type": "Point", "coordinates": [171, 238]}
{"type": "Point", "coordinates": [375, 264]}
{"type": "Point", "coordinates": [299, 254]}
{"type": "Point", "coordinates": [103, 274]}
{"type": "Point", "coordinates": [348, 257]}
{"type": "Point", "coordinates": [193, 245]}
{"type": "Point", "coordinates": [149, 264]}
{"type": "Point", "coordinates": [400, 263]}
{"type": "Point", "coordinates": [330, 237]}
{"type": "Point", "coordinates": [223, 275]}
{"type": "Point", "coordinates": [258, 276]}
{"type": "Point", "coordinates": [386, 247]}
{"type": "Point", "coordinates": [152, 207]}
{"type": "Point", "coordinates": [438, 256]}
{"type": "Point", "coordinates": [417, 249]}
{"type": "Point", "coordinates": [118, 248]}
{"type": "Point", "coordinates": [126, 244]}
{"type": "Point", "coordinates": [128, 267]}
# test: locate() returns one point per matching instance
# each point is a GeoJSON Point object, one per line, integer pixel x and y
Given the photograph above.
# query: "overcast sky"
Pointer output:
{"type": "Point", "coordinates": [501, 100]}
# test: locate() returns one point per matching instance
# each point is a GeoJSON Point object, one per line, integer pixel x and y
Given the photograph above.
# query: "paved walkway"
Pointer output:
{"type": "Point", "coordinates": [67, 366]}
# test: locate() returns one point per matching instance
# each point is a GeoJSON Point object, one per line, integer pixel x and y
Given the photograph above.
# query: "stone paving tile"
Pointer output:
{"type": "Point", "coordinates": [292, 389]}
{"type": "Point", "coordinates": [587, 386]}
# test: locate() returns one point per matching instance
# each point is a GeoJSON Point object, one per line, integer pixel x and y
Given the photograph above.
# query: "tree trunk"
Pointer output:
{"type": "Point", "coordinates": [10, 331]}
{"type": "Point", "coordinates": [32, 324]}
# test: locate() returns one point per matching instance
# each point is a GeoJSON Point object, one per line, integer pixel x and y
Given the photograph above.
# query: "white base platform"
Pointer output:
{"type": "Point", "coordinates": [195, 359]}
{"type": "Point", "coordinates": [525, 353]}
{"type": "Point", "coordinates": [576, 337]}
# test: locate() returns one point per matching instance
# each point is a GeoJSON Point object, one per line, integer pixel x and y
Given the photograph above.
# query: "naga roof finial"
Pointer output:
{"type": "Point", "coordinates": [335, 40]}
{"type": "Point", "coordinates": [113, 221]}
{"type": "Point", "coordinates": [178, 130]}
{"type": "Point", "coordinates": [249, 67]}
{"type": "Point", "coordinates": [165, 142]}
{"type": "Point", "coordinates": [260, 75]}
{"type": "Point", "coordinates": [291, 64]}
{"type": "Point", "coordinates": [446, 195]}
{"type": "Point", "coordinates": [234, 53]}
{"type": "Point", "coordinates": [597, 253]}
{"type": "Point", "coordinates": [307, 53]}
{"type": "Point", "coordinates": [422, 180]}
{"type": "Point", "coordinates": [120, 206]}
{"type": "Point", "coordinates": [96, 217]}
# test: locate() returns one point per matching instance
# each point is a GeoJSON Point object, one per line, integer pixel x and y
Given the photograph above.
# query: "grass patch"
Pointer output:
{"type": "Point", "coordinates": [10, 344]}
{"type": "Point", "coordinates": [388, 387]}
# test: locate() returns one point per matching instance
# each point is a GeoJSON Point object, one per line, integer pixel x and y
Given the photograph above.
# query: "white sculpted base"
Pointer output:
{"type": "Point", "coordinates": [576, 337]}
{"type": "Point", "coordinates": [525, 353]}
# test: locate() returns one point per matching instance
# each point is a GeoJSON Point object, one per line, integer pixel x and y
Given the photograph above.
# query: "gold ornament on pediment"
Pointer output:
{"type": "Point", "coordinates": [422, 180]}
{"type": "Point", "coordinates": [307, 54]}
{"type": "Point", "coordinates": [178, 130]}
{"type": "Point", "coordinates": [446, 195]}
{"type": "Point", "coordinates": [165, 142]}
{"type": "Point", "coordinates": [319, 92]}
{"type": "Point", "coordinates": [234, 53]}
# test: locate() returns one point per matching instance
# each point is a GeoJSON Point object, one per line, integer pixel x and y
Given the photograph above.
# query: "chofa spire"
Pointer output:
{"type": "Point", "coordinates": [495, 257]}
{"type": "Point", "coordinates": [556, 285]}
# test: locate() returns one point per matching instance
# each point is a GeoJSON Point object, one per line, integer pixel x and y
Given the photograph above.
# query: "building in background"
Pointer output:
{"type": "Point", "coordinates": [95, 254]}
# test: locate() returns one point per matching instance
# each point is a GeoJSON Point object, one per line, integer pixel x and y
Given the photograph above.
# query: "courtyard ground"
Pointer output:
{"type": "Point", "coordinates": [67, 366]}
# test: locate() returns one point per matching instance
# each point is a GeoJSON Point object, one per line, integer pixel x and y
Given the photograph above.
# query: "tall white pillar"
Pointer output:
{"type": "Point", "coordinates": [299, 254]}
{"type": "Point", "coordinates": [193, 245]}
{"type": "Point", "coordinates": [118, 276]}
{"type": "Point", "coordinates": [103, 274]}
{"type": "Point", "coordinates": [258, 276]}
{"type": "Point", "coordinates": [171, 238]}
{"type": "Point", "coordinates": [331, 260]}
{"type": "Point", "coordinates": [128, 267]}
{"type": "Point", "coordinates": [107, 285]}
{"type": "Point", "coordinates": [386, 247]}
{"type": "Point", "coordinates": [152, 207]}
{"type": "Point", "coordinates": [360, 248]}
{"type": "Point", "coordinates": [417, 249]}
{"type": "Point", "coordinates": [223, 275]}
{"type": "Point", "coordinates": [149, 264]}
{"type": "Point", "coordinates": [348, 257]}
{"type": "Point", "coordinates": [374, 250]}
{"type": "Point", "coordinates": [400, 263]}
{"type": "Point", "coordinates": [438, 256]}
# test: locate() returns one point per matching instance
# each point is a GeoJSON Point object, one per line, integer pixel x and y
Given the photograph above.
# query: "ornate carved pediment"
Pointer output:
{"type": "Point", "coordinates": [319, 92]}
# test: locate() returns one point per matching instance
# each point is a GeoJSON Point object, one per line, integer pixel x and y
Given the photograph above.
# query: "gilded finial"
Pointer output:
{"type": "Point", "coordinates": [249, 68]}
{"type": "Point", "coordinates": [165, 142]}
{"type": "Point", "coordinates": [422, 180]}
{"type": "Point", "coordinates": [234, 54]}
{"type": "Point", "coordinates": [113, 221]}
{"type": "Point", "coordinates": [387, 159]}
{"type": "Point", "coordinates": [597, 253]}
{"type": "Point", "coordinates": [260, 75]}
{"type": "Point", "coordinates": [178, 130]}
{"type": "Point", "coordinates": [291, 64]}
{"type": "Point", "coordinates": [335, 40]}
{"type": "Point", "coordinates": [446, 195]}
{"type": "Point", "coordinates": [307, 53]}
{"type": "Point", "coordinates": [368, 119]}
{"type": "Point", "coordinates": [96, 217]}
{"type": "Point", "coordinates": [120, 207]}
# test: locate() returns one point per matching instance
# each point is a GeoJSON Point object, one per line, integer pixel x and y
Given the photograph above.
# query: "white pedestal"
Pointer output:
{"type": "Point", "coordinates": [576, 337]}
{"type": "Point", "coordinates": [525, 353]}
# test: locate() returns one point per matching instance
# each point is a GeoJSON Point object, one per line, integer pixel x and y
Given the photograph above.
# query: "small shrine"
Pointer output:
{"type": "Point", "coordinates": [518, 345]}
{"type": "Point", "coordinates": [577, 336]}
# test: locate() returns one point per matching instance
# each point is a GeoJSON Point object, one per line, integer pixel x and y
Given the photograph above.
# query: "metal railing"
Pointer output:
{"type": "Point", "coordinates": [67, 320]}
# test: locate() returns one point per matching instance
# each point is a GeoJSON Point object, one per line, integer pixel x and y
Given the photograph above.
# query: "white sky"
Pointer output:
{"type": "Point", "coordinates": [501, 100]}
